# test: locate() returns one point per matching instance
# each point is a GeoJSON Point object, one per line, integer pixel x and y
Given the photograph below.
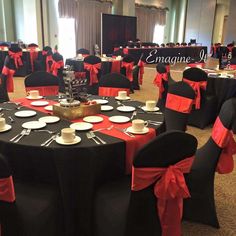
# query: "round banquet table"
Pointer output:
{"type": "Point", "coordinates": [78, 170]}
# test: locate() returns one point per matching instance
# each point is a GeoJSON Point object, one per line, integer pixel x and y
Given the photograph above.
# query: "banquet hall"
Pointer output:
{"type": "Point", "coordinates": [78, 78]}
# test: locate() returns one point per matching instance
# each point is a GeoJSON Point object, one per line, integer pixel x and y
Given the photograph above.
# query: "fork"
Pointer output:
{"type": "Point", "coordinates": [21, 133]}
{"type": "Point", "coordinates": [90, 136]}
{"type": "Point", "coordinates": [45, 130]}
{"type": "Point", "coordinates": [108, 128]}
{"type": "Point", "coordinates": [133, 115]}
{"type": "Point", "coordinates": [95, 136]}
{"type": "Point", "coordinates": [25, 133]}
{"type": "Point", "coordinates": [125, 132]}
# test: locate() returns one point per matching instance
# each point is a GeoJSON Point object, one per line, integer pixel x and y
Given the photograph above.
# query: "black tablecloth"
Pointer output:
{"type": "Point", "coordinates": [78, 170]}
{"type": "Point", "coordinates": [166, 53]}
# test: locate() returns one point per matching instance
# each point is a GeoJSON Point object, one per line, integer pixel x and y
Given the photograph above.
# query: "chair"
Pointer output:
{"type": "Point", "coordinates": [205, 105]}
{"type": "Point", "coordinates": [118, 52]}
{"type": "Point", "coordinates": [28, 208]}
{"type": "Point", "coordinates": [209, 158]}
{"type": "Point", "coordinates": [111, 84]}
{"type": "Point", "coordinates": [33, 50]}
{"type": "Point", "coordinates": [178, 106]}
{"type": "Point", "coordinates": [92, 66]}
{"type": "Point", "coordinates": [45, 82]}
{"type": "Point", "coordinates": [83, 51]}
{"type": "Point", "coordinates": [184, 44]}
{"type": "Point", "coordinates": [44, 60]}
{"type": "Point", "coordinates": [119, 211]}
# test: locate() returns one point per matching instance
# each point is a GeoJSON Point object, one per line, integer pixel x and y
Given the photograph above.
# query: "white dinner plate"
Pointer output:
{"type": "Point", "coordinates": [6, 128]}
{"type": "Point", "coordinates": [39, 103]}
{"type": "Point", "coordinates": [81, 126]}
{"type": "Point", "coordinates": [144, 131]}
{"type": "Point", "coordinates": [155, 109]}
{"type": "Point", "coordinates": [25, 113]}
{"type": "Point", "coordinates": [60, 140]}
{"type": "Point", "coordinates": [49, 119]}
{"type": "Point", "coordinates": [93, 119]}
{"type": "Point", "coordinates": [106, 108]}
{"type": "Point", "coordinates": [125, 108]}
{"type": "Point", "coordinates": [34, 125]}
{"type": "Point", "coordinates": [122, 99]}
{"type": "Point", "coordinates": [34, 98]}
{"type": "Point", "coordinates": [119, 119]}
{"type": "Point", "coordinates": [101, 101]}
{"type": "Point", "coordinates": [48, 108]}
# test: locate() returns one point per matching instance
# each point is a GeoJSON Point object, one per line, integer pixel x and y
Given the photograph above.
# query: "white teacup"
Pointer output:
{"type": "Point", "coordinates": [150, 105]}
{"type": "Point", "coordinates": [104, 55]}
{"type": "Point", "coordinates": [138, 125]}
{"type": "Point", "coordinates": [80, 56]}
{"type": "Point", "coordinates": [122, 94]}
{"type": "Point", "coordinates": [68, 135]}
{"type": "Point", "coordinates": [33, 93]}
{"type": "Point", "coordinates": [2, 123]}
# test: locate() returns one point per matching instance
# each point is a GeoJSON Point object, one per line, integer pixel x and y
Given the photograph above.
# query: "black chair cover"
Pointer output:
{"type": "Point", "coordinates": [83, 51]}
{"type": "Point", "coordinates": [114, 80]}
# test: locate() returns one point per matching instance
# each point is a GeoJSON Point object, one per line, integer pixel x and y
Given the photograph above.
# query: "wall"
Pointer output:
{"type": "Point", "coordinates": [199, 22]}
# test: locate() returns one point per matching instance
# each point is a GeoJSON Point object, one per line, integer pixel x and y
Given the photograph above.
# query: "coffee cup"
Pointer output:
{"type": "Point", "coordinates": [68, 135]}
{"type": "Point", "coordinates": [104, 55]}
{"type": "Point", "coordinates": [2, 123]}
{"type": "Point", "coordinates": [150, 105]}
{"type": "Point", "coordinates": [138, 125]}
{"type": "Point", "coordinates": [122, 94]}
{"type": "Point", "coordinates": [33, 93]}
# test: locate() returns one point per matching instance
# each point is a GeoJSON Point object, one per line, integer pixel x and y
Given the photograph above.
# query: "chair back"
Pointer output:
{"type": "Point", "coordinates": [118, 52]}
{"type": "Point", "coordinates": [45, 82]}
{"type": "Point", "coordinates": [83, 51]}
{"type": "Point", "coordinates": [3, 89]}
{"type": "Point", "coordinates": [178, 106]}
{"type": "Point", "coordinates": [111, 84]}
{"type": "Point", "coordinates": [157, 155]}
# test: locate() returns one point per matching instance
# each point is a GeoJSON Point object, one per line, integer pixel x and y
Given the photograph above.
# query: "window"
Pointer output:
{"type": "Point", "coordinates": [158, 36]}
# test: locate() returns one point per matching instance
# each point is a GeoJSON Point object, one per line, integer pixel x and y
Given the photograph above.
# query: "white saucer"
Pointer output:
{"type": "Point", "coordinates": [125, 108]}
{"type": "Point", "coordinates": [80, 126]}
{"type": "Point", "coordinates": [33, 125]}
{"type": "Point", "coordinates": [34, 98]}
{"type": "Point", "coordinates": [155, 109]}
{"type": "Point", "coordinates": [48, 108]}
{"type": "Point", "coordinates": [144, 131]}
{"type": "Point", "coordinates": [6, 128]}
{"type": "Point", "coordinates": [101, 101]}
{"type": "Point", "coordinates": [119, 119]}
{"type": "Point", "coordinates": [25, 113]}
{"type": "Point", "coordinates": [39, 103]}
{"type": "Point", "coordinates": [49, 119]}
{"type": "Point", "coordinates": [59, 140]}
{"type": "Point", "coordinates": [106, 108]}
{"type": "Point", "coordinates": [93, 119]}
{"type": "Point", "coordinates": [126, 98]}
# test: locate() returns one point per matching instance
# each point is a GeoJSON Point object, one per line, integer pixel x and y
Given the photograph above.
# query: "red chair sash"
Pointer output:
{"type": "Point", "coordinates": [158, 81]}
{"type": "Point", "coordinates": [17, 58]}
{"type": "Point", "coordinates": [129, 69]}
{"type": "Point", "coordinates": [7, 192]}
{"type": "Point", "coordinates": [48, 60]}
{"type": "Point", "coordinates": [9, 74]}
{"type": "Point", "coordinates": [115, 66]}
{"type": "Point", "coordinates": [33, 55]}
{"type": "Point", "coordinates": [141, 71]}
{"type": "Point", "coordinates": [45, 90]}
{"type": "Point", "coordinates": [178, 103]}
{"type": "Point", "coordinates": [168, 68]}
{"type": "Point", "coordinates": [196, 87]}
{"type": "Point", "coordinates": [111, 92]}
{"type": "Point", "coordinates": [224, 139]}
{"type": "Point", "coordinates": [230, 48]}
{"type": "Point", "coordinates": [56, 65]}
{"type": "Point", "coordinates": [93, 70]}
{"type": "Point", "coordinates": [170, 191]}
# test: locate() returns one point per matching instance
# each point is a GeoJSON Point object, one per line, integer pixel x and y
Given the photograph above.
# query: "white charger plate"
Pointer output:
{"type": "Point", "coordinates": [122, 99]}
{"type": "Point", "coordinates": [144, 131]}
{"type": "Point", "coordinates": [60, 140]}
{"type": "Point", "coordinates": [48, 108]}
{"type": "Point", "coordinates": [25, 113]}
{"type": "Point", "coordinates": [119, 119]}
{"type": "Point", "coordinates": [34, 125]}
{"type": "Point", "coordinates": [93, 119]}
{"type": "Point", "coordinates": [49, 119]}
{"type": "Point", "coordinates": [107, 108]}
{"type": "Point", "coordinates": [81, 126]}
{"type": "Point", "coordinates": [155, 108]}
{"type": "Point", "coordinates": [34, 98]}
{"type": "Point", "coordinates": [126, 108]}
{"type": "Point", "coordinates": [6, 128]}
{"type": "Point", "coordinates": [39, 103]}
{"type": "Point", "coordinates": [101, 101]}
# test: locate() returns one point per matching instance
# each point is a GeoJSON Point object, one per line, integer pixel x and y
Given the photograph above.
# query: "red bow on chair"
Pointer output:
{"type": "Point", "coordinates": [129, 69]}
{"type": "Point", "coordinates": [224, 139]}
{"type": "Point", "coordinates": [56, 65]}
{"type": "Point", "coordinates": [93, 70]}
{"type": "Point", "coordinates": [7, 192]}
{"type": "Point", "coordinates": [141, 71]}
{"type": "Point", "coordinates": [9, 74]}
{"type": "Point", "coordinates": [158, 81]}
{"type": "Point", "coordinates": [170, 191]}
{"type": "Point", "coordinates": [196, 87]}
{"type": "Point", "coordinates": [33, 55]}
{"type": "Point", "coordinates": [17, 58]}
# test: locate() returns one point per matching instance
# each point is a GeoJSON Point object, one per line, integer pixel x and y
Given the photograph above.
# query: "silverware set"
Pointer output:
{"type": "Point", "coordinates": [50, 140]}
{"type": "Point", "coordinates": [11, 119]}
{"type": "Point", "coordinates": [125, 132]}
{"type": "Point", "coordinates": [95, 138]}
{"type": "Point", "coordinates": [45, 130]}
{"type": "Point", "coordinates": [17, 138]}
{"type": "Point", "coordinates": [153, 122]}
